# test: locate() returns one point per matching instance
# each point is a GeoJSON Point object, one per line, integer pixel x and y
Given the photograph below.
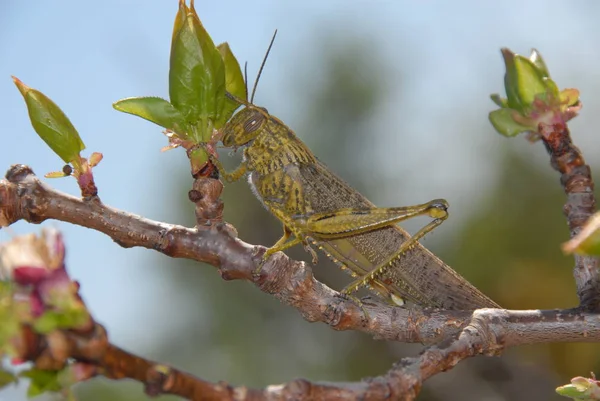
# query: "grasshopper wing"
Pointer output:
{"type": "Point", "coordinates": [418, 276]}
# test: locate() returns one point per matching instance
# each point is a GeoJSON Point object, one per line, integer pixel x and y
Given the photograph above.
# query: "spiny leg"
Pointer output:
{"type": "Point", "coordinates": [350, 221]}
{"type": "Point", "coordinates": [313, 253]}
{"type": "Point", "coordinates": [357, 301]}
{"type": "Point", "coordinates": [232, 176]}
{"type": "Point", "coordinates": [407, 245]}
{"type": "Point", "coordinates": [347, 222]}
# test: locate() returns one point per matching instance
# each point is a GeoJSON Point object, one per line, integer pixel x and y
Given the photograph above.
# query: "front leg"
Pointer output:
{"type": "Point", "coordinates": [281, 245]}
{"type": "Point", "coordinates": [232, 176]}
{"type": "Point", "coordinates": [284, 243]}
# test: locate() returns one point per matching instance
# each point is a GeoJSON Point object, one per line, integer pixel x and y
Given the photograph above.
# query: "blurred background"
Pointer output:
{"type": "Point", "coordinates": [392, 95]}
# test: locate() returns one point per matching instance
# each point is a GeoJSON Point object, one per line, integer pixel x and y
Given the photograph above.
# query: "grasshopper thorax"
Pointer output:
{"type": "Point", "coordinates": [244, 126]}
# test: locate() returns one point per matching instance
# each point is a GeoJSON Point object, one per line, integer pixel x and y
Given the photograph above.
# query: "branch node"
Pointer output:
{"type": "Point", "coordinates": [159, 380]}
{"type": "Point", "coordinates": [18, 172]}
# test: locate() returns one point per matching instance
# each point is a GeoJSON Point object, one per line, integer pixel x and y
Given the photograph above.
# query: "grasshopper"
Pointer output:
{"type": "Point", "coordinates": [317, 208]}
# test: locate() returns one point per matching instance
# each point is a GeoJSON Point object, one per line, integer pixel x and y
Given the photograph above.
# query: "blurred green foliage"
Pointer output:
{"type": "Point", "coordinates": [511, 248]}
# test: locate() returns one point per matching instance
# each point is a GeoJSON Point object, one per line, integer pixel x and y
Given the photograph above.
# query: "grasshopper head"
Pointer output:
{"type": "Point", "coordinates": [244, 126]}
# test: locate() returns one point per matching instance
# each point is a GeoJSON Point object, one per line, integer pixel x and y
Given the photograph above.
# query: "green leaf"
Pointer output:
{"type": "Point", "coordinates": [551, 87]}
{"type": "Point", "coordinates": [198, 158]}
{"type": "Point", "coordinates": [196, 74]}
{"type": "Point", "coordinates": [51, 124]}
{"type": "Point", "coordinates": [571, 391]}
{"type": "Point", "coordinates": [580, 389]}
{"type": "Point", "coordinates": [525, 79]}
{"type": "Point", "coordinates": [156, 110]}
{"type": "Point", "coordinates": [42, 381]}
{"type": "Point", "coordinates": [500, 101]}
{"type": "Point", "coordinates": [540, 64]}
{"type": "Point", "coordinates": [504, 123]}
{"type": "Point", "coordinates": [11, 317]}
{"type": "Point", "coordinates": [587, 242]}
{"type": "Point", "coordinates": [9, 331]}
{"type": "Point", "coordinates": [7, 378]}
{"type": "Point", "coordinates": [234, 83]}
{"type": "Point", "coordinates": [569, 97]}
{"type": "Point", "coordinates": [179, 20]}
{"type": "Point", "coordinates": [510, 80]}
{"type": "Point", "coordinates": [529, 80]}
{"type": "Point", "coordinates": [67, 319]}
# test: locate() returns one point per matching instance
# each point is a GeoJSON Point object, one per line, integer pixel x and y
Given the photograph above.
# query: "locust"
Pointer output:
{"type": "Point", "coordinates": [320, 210]}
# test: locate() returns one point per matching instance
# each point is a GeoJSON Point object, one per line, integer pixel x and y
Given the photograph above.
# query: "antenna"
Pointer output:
{"type": "Point", "coordinates": [262, 66]}
{"type": "Point", "coordinates": [246, 78]}
{"type": "Point", "coordinates": [237, 99]}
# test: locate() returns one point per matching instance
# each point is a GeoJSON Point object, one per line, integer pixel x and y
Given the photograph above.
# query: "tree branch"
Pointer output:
{"type": "Point", "coordinates": [402, 382]}
{"type": "Point", "coordinates": [24, 196]}
{"type": "Point", "coordinates": [576, 180]}
{"type": "Point", "coordinates": [459, 334]}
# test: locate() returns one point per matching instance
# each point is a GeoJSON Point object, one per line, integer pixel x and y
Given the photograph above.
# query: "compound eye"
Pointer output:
{"type": "Point", "coordinates": [252, 124]}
